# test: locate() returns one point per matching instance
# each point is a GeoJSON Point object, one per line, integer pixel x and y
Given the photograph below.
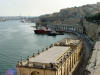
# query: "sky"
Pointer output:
{"type": "Point", "coordinates": [38, 7]}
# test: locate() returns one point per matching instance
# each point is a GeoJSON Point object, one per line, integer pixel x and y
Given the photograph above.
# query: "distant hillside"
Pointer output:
{"type": "Point", "coordinates": [69, 16]}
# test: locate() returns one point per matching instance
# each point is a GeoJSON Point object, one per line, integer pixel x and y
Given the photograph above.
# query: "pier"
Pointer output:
{"type": "Point", "coordinates": [67, 28]}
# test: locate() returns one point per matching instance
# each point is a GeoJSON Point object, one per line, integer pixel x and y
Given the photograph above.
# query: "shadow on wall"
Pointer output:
{"type": "Point", "coordinates": [35, 73]}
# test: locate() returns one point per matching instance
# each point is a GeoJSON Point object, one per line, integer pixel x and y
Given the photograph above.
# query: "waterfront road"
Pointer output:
{"type": "Point", "coordinates": [87, 47]}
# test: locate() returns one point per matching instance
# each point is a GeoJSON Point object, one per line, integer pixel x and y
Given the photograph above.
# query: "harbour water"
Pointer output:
{"type": "Point", "coordinates": [17, 41]}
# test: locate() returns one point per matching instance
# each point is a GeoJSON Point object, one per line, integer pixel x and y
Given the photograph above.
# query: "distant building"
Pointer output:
{"type": "Point", "coordinates": [61, 58]}
{"type": "Point", "coordinates": [66, 28]}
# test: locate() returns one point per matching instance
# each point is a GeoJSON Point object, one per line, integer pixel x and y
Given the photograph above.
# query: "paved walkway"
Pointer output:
{"type": "Point", "coordinates": [93, 68]}
{"type": "Point", "coordinates": [87, 46]}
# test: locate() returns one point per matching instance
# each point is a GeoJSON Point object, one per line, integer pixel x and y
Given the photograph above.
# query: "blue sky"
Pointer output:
{"type": "Point", "coordinates": [37, 7]}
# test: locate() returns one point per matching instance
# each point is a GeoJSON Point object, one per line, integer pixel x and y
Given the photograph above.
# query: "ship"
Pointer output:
{"type": "Point", "coordinates": [42, 30]}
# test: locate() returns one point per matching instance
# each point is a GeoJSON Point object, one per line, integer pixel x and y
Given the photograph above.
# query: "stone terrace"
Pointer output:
{"type": "Point", "coordinates": [51, 57]}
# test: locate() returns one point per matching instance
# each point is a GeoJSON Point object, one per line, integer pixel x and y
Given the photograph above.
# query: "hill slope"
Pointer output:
{"type": "Point", "coordinates": [70, 16]}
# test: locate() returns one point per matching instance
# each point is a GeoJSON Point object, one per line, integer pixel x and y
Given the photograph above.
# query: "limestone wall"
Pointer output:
{"type": "Point", "coordinates": [33, 71]}
{"type": "Point", "coordinates": [93, 67]}
{"type": "Point", "coordinates": [91, 30]}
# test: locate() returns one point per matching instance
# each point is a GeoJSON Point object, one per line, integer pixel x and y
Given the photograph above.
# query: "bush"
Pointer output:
{"type": "Point", "coordinates": [93, 18]}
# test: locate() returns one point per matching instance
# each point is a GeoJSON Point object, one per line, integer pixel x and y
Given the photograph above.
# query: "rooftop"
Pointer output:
{"type": "Point", "coordinates": [51, 55]}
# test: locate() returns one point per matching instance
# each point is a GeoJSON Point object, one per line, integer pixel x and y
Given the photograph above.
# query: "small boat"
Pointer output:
{"type": "Point", "coordinates": [60, 33]}
{"type": "Point", "coordinates": [53, 33]}
{"type": "Point", "coordinates": [23, 20]}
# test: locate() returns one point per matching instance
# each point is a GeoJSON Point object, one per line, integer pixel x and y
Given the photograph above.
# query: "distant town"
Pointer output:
{"type": "Point", "coordinates": [22, 18]}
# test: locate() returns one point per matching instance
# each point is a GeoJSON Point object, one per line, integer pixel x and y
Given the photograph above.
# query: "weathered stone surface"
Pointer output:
{"type": "Point", "coordinates": [91, 30]}
{"type": "Point", "coordinates": [93, 68]}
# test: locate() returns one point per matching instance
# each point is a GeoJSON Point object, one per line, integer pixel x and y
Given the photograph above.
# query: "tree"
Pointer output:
{"type": "Point", "coordinates": [94, 18]}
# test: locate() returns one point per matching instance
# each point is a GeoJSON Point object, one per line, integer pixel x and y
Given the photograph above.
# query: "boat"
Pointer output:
{"type": "Point", "coordinates": [46, 30]}
{"type": "Point", "coordinates": [54, 33]}
{"type": "Point", "coordinates": [42, 30]}
{"type": "Point", "coordinates": [60, 31]}
{"type": "Point", "coordinates": [23, 20]}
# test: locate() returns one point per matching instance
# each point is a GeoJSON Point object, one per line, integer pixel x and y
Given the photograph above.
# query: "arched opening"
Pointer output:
{"type": "Point", "coordinates": [35, 73]}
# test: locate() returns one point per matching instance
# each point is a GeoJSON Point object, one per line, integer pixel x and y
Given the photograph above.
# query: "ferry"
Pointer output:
{"type": "Point", "coordinates": [42, 30]}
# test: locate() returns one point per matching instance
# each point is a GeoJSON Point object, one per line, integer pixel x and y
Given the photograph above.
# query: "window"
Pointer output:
{"type": "Point", "coordinates": [35, 73]}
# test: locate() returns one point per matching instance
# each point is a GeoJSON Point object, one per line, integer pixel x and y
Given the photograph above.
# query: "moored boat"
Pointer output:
{"type": "Point", "coordinates": [54, 33]}
{"type": "Point", "coordinates": [42, 30]}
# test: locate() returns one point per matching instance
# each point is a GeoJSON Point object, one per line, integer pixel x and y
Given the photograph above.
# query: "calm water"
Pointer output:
{"type": "Point", "coordinates": [17, 40]}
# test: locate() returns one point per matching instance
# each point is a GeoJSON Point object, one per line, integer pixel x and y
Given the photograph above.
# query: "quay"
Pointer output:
{"type": "Point", "coordinates": [60, 58]}
{"type": "Point", "coordinates": [59, 29]}
{"type": "Point", "coordinates": [66, 28]}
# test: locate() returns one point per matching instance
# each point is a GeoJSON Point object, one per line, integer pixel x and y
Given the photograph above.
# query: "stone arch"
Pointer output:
{"type": "Point", "coordinates": [35, 73]}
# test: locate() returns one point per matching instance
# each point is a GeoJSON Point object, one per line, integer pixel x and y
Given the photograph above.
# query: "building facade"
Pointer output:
{"type": "Point", "coordinates": [67, 28]}
{"type": "Point", "coordinates": [60, 58]}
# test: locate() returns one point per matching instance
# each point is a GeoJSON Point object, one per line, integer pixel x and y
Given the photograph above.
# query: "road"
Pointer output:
{"type": "Point", "coordinates": [87, 46]}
